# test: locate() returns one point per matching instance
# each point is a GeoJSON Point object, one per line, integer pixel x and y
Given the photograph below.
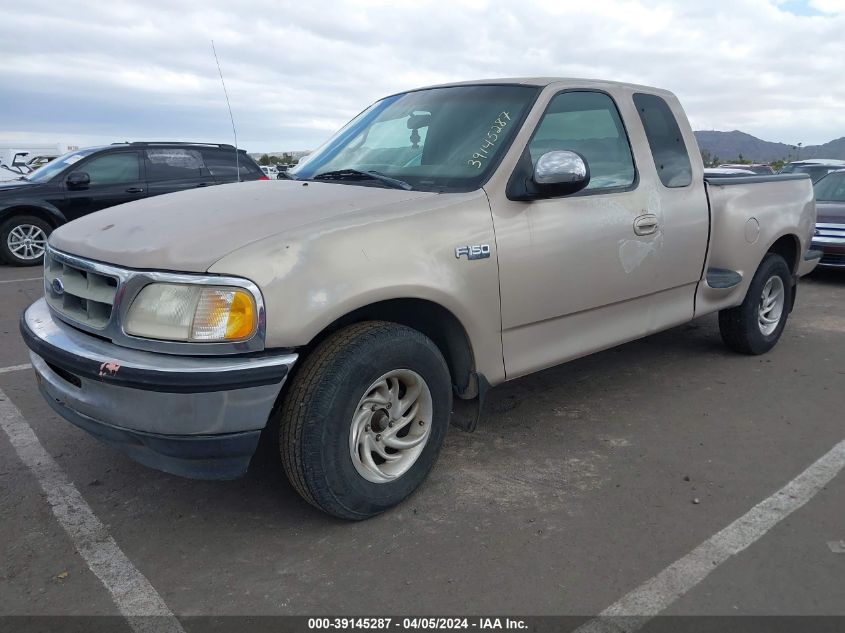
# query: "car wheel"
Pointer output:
{"type": "Point", "coordinates": [755, 326]}
{"type": "Point", "coordinates": [364, 417]}
{"type": "Point", "coordinates": [23, 240]}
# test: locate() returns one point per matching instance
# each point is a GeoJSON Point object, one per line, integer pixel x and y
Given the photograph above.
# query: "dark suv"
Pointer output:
{"type": "Point", "coordinates": [91, 179]}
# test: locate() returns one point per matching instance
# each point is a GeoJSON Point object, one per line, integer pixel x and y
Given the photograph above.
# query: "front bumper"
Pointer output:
{"type": "Point", "coordinates": [194, 416]}
{"type": "Point", "coordinates": [830, 240]}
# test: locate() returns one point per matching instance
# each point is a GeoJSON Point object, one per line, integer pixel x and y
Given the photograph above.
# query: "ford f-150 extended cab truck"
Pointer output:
{"type": "Point", "coordinates": [444, 241]}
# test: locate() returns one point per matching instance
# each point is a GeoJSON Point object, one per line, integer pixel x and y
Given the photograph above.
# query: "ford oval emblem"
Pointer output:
{"type": "Point", "coordinates": [58, 286]}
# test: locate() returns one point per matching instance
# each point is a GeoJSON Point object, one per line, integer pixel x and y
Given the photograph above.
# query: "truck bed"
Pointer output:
{"type": "Point", "coordinates": [748, 215]}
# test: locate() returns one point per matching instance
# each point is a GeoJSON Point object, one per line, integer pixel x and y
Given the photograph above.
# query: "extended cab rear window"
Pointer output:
{"type": "Point", "coordinates": [671, 157]}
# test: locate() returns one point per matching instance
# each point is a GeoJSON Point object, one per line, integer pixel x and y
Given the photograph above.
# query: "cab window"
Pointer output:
{"type": "Point", "coordinates": [113, 169]}
{"type": "Point", "coordinates": [587, 123]}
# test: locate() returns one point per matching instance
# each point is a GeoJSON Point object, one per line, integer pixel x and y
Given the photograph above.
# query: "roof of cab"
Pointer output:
{"type": "Point", "coordinates": [547, 81]}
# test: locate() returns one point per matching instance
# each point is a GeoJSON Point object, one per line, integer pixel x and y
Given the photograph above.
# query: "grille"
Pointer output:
{"type": "Point", "coordinates": [827, 233]}
{"type": "Point", "coordinates": [78, 294]}
{"type": "Point", "coordinates": [834, 259]}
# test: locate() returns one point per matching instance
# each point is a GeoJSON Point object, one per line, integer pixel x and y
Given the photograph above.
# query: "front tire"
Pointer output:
{"type": "Point", "coordinates": [755, 326]}
{"type": "Point", "coordinates": [23, 240]}
{"type": "Point", "coordinates": [364, 418]}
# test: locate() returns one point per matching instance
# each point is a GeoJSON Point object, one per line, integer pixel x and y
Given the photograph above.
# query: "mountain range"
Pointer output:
{"type": "Point", "coordinates": [728, 146]}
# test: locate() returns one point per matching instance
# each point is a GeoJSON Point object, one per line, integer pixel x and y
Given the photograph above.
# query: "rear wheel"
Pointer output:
{"type": "Point", "coordinates": [755, 326]}
{"type": "Point", "coordinates": [23, 240]}
{"type": "Point", "coordinates": [364, 418]}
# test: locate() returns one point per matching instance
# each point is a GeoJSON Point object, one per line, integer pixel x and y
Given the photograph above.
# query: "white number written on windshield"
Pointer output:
{"type": "Point", "coordinates": [490, 140]}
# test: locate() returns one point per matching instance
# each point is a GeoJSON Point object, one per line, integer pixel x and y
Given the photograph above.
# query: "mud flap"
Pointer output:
{"type": "Point", "coordinates": [467, 412]}
{"type": "Point", "coordinates": [794, 292]}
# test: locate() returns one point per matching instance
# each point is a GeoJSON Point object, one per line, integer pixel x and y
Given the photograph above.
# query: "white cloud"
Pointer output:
{"type": "Point", "coordinates": [295, 71]}
{"type": "Point", "coordinates": [828, 6]}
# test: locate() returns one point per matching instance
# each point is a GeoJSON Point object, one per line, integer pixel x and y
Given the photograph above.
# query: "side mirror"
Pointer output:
{"type": "Point", "coordinates": [78, 180]}
{"type": "Point", "coordinates": [561, 173]}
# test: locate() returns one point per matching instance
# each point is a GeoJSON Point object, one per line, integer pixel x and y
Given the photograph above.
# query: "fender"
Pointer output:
{"type": "Point", "coordinates": [313, 276]}
{"type": "Point", "coordinates": [57, 218]}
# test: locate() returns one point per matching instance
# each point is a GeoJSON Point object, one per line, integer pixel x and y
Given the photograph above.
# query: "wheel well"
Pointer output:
{"type": "Point", "coordinates": [787, 247]}
{"type": "Point", "coordinates": [430, 318]}
{"type": "Point", "coordinates": [38, 212]}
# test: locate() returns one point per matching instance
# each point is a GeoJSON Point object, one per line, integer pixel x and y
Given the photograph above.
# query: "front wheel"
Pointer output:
{"type": "Point", "coordinates": [364, 418]}
{"type": "Point", "coordinates": [23, 240]}
{"type": "Point", "coordinates": [755, 326]}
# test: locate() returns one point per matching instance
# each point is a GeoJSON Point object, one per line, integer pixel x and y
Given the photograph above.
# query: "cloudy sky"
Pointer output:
{"type": "Point", "coordinates": [86, 72]}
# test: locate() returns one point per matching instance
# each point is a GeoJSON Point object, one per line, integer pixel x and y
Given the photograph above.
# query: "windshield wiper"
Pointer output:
{"type": "Point", "coordinates": [355, 174]}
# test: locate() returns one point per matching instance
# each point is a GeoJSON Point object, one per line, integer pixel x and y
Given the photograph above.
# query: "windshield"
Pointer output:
{"type": "Point", "coordinates": [440, 139]}
{"type": "Point", "coordinates": [45, 173]}
{"type": "Point", "coordinates": [831, 188]}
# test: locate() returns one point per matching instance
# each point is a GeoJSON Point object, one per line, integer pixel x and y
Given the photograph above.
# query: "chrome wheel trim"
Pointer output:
{"type": "Point", "coordinates": [772, 302]}
{"type": "Point", "coordinates": [391, 426]}
{"type": "Point", "coordinates": [27, 242]}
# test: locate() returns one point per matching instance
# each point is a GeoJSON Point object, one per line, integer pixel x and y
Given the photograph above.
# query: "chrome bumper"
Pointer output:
{"type": "Point", "coordinates": [195, 416]}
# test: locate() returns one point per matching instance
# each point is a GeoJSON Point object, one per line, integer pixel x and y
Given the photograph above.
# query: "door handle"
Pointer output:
{"type": "Point", "coordinates": [135, 190]}
{"type": "Point", "coordinates": [645, 224]}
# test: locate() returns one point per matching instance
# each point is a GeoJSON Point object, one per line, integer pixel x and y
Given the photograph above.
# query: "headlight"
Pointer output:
{"type": "Point", "coordinates": [192, 312]}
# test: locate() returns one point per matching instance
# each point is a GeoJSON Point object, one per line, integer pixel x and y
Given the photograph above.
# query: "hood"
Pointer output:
{"type": "Point", "coordinates": [830, 212]}
{"type": "Point", "coordinates": [189, 231]}
{"type": "Point", "coordinates": [14, 184]}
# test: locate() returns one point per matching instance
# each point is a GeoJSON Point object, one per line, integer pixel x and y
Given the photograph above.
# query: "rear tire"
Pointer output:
{"type": "Point", "coordinates": [343, 410]}
{"type": "Point", "coordinates": [23, 239]}
{"type": "Point", "coordinates": [755, 326]}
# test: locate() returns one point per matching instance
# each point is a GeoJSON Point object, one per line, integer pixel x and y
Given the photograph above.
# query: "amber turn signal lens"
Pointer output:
{"type": "Point", "coordinates": [224, 314]}
{"type": "Point", "coordinates": [241, 321]}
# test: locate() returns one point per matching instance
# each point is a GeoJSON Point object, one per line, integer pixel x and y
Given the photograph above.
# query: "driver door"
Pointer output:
{"type": "Point", "coordinates": [116, 178]}
{"type": "Point", "coordinates": [575, 276]}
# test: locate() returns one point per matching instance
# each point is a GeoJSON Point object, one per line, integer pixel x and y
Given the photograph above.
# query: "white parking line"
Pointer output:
{"type": "Point", "coordinates": [12, 281]}
{"type": "Point", "coordinates": [646, 601]}
{"type": "Point", "coordinates": [133, 594]}
{"type": "Point", "coordinates": [6, 370]}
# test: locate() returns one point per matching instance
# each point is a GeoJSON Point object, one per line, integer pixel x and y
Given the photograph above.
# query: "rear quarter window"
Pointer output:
{"type": "Point", "coordinates": [221, 164]}
{"type": "Point", "coordinates": [668, 150]}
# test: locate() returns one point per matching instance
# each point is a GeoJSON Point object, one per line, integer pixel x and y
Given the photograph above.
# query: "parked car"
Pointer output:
{"type": "Point", "coordinates": [758, 168]}
{"type": "Point", "coordinates": [270, 171]}
{"type": "Point", "coordinates": [22, 164]}
{"type": "Point", "coordinates": [829, 236]}
{"type": "Point", "coordinates": [39, 161]}
{"type": "Point", "coordinates": [816, 167]}
{"type": "Point", "coordinates": [18, 159]}
{"type": "Point", "coordinates": [446, 240]}
{"type": "Point", "coordinates": [88, 180]}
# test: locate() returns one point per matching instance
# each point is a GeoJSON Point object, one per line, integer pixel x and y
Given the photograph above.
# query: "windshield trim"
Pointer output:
{"type": "Point", "coordinates": [494, 165]}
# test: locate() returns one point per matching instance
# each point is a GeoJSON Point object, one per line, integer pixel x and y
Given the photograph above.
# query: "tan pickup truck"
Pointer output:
{"type": "Point", "coordinates": [444, 241]}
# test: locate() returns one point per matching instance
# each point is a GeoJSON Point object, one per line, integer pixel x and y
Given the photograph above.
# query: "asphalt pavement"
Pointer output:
{"type": "Point", "coordinates": [582, 483]}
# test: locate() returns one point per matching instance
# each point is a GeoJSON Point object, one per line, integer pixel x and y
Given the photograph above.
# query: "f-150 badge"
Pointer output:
{"type": "Point", "coordinates": [473, 251]}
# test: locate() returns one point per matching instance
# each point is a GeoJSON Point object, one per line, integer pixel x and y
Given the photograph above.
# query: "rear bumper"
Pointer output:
{"type": "Point", "coordinates": [195, 416]}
